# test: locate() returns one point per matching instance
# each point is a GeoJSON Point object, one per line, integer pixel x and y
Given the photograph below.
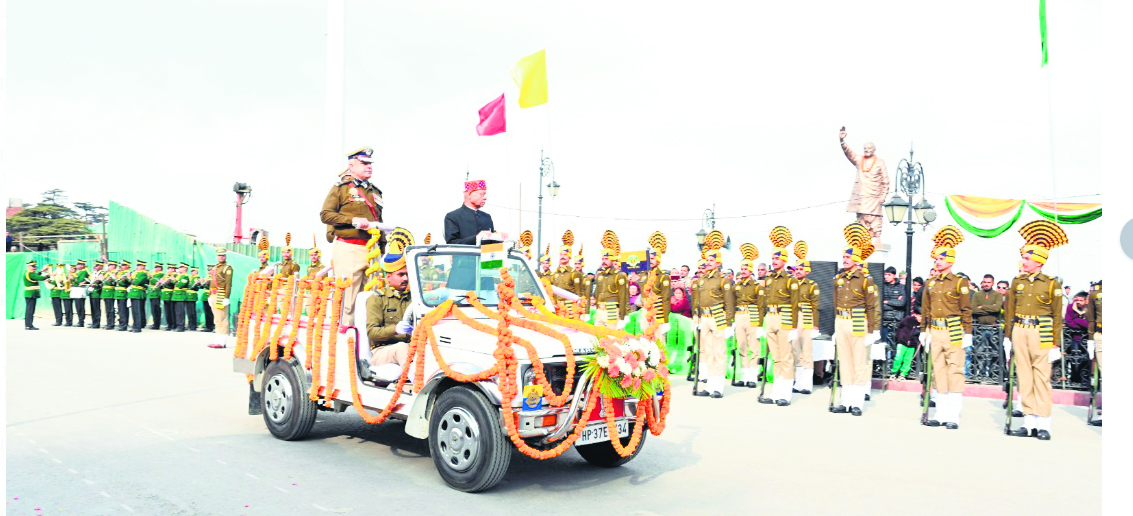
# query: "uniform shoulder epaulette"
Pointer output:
{"type": "Point", "coordinates": [342, 180]}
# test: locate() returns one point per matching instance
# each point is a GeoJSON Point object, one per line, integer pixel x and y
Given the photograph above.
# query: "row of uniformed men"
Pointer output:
{"type": "Point", "coordinates": [783, 307]}
{"type": "Point", "coordinates": [116, 290]}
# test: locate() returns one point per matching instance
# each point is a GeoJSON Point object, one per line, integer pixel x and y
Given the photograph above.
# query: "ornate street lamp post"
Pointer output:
{"type": "Point", "coordinates": [546, 168]}
{"type": "Point", "coordinates": [909, 180]}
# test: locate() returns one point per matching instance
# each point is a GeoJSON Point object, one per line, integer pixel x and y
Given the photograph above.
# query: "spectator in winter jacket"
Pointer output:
{"type": "Point", "coordinates": [987, 303]}
{"type": "Point", "coordinates": [1075, 317]}
{"type": "Point", "coordinates": [679, 303]}
{"type": "Point", "coordinates": [892, 302]}
{"type": "Point", "coordinates": [908, 333]}
{"type": "Point", "coordinates": [918, 282]}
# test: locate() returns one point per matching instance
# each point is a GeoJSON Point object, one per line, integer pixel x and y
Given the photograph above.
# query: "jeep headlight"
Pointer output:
{"type": "Point", "coordinates": [529, 376]}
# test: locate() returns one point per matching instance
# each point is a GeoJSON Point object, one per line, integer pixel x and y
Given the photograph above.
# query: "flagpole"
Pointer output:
{"type": "Point", "coordinates": [1053, 174]}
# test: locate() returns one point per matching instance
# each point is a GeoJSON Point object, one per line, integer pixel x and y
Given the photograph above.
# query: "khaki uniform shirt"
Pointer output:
{"type": "Point", "coordinates": [288, 268]}
{"type": "Point", "coordinates": [808, 300]}
{"type": "Point", "coordinates": [612, 285]}
{"type": "Point", "coordinates": [314, 268]}
{"type": "Point", "coordinates": [1094, 311]}
{"type": "Point", "coordinates": [747, 298]}
{"type": "Point", "coordinates": [566, 278]}
{"type": "Point", "coordinates": [1034, 295]}
{"type": "Point", "coordinates": [946, 296]}
{"type": "Point", "coordinates": [782, 290]}
{"type": "Point", "coordinates": [853, 289]}
{"type": "Point", "coordinates": [222, 281]}
{"type": "Point", "coordinates": [714, 289]}
{"type": "Point", "coordinates": [384, 310]}
{"type": "Point", "coordinates": [347, 200]}
{"type": "Point", "coordinates": [986, 306]}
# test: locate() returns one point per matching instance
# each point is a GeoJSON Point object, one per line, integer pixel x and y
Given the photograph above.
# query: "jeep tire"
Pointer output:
{"type": "Point", "coordinates": [469, 448]}
{"type": "Point", "coordinates": [288, 413]}
{"type": "Point", "coordinates": [604, 455]}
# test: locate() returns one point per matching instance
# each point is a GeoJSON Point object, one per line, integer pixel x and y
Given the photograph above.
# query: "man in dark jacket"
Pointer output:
{"type": "Point", "coordinates": [892, 302]}
{"type": "Point", "coordinates": [465, 223]}
{"type": "Point", "coordinates": [908, 333]}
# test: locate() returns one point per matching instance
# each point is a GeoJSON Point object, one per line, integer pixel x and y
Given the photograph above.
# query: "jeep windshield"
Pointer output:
{"type": "Point", "coordinates": [451, 275]}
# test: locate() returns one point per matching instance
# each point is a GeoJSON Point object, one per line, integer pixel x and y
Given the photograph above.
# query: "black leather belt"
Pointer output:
{"type": "Point", "coordinates": [1027, 321]}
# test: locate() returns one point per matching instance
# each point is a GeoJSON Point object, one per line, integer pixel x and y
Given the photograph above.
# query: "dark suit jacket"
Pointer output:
{"type": "Point", "coordinates": [463, 223]}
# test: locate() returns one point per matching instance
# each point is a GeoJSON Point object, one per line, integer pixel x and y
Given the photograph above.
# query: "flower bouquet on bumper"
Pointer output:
{"type": "Point", "coordinates": [629, 368]}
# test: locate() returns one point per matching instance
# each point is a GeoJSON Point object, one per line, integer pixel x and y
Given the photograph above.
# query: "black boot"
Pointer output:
{"type": "Point", "coordinates": [840, 409]}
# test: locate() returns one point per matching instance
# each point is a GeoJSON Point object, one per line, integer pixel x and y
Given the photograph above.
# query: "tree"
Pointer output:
{"type": "Point", "coordinates": [91, 213]}
{"type": "Point", "coordinates": [41, 225]}
{"type": "Point", "coordinates": [54, 196]}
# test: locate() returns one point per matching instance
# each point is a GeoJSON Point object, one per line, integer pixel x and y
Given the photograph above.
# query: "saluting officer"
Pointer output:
{"type": "Point", "coordinates": [353, 206]}
{"type": "Point", "coordinates": [611, 294]}
{"type": "Point", "coordinates": [946, 327]}
{"type": "Point", "coordinates": [857, 311]}
{"type": "Point", "coordinates": [565, 277]}
{"type": "Point", "coordinates": [747, 315]}
{"type": "Point", "coordinates": [778, 306]}
{"type": "Point", "coordinates": [1033, 322]}
{"type": "Point", "coordinates": [805, 322]}
{"type": "Point", "coordinates": [31, 292]}
{"type": "Point", "coordinates": [715, 302]}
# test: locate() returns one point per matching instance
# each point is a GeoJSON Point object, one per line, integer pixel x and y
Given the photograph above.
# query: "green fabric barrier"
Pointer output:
{"type": "Point", "coordinates": [1080, 218]}
{"type": "Point", "coordinates": [15, 264]}
{"type": "Point", "coordinates": [983, 233]}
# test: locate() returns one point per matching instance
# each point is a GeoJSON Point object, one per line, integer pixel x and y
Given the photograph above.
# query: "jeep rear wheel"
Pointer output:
{"type": "Point", "coordinates": [288, 413]}
{"type": "Point", "coordinates": [469, 448]}
{"type": "Point", "coordinates": [604, 455]}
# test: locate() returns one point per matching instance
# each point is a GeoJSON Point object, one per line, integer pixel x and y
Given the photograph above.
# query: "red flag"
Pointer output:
{"type": "Point", "coordinates": [492, 119]}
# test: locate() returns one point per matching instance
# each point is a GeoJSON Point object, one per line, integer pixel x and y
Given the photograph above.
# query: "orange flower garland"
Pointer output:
{"type": "Point", "coordinates": [317, 352]}
{"type": "Point", "coordinates": [291, 337]}
{"type": "Point", "coordinates": [274, 352]}
{"type": "Point", "coordinates": [332, 355]}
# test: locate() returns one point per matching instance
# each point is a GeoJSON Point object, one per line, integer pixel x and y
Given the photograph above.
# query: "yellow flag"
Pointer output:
{"type": "Point", "coordinates": [530, 74]}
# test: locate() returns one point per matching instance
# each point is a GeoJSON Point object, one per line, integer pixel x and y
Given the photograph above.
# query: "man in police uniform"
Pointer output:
{"type": "Point", "coordinates": [137, 296]}
{"type": "Point", "coordinates": [611, 295]}
{"type": "Point", "coordinates": [109, 292]}
{"type": "Point", "coordinates": [857, 311]}
{"type": "Point", "coordinates": [659, 286]}
{"type": "Point", "coordinates": [121, 295]}
{"type": "Point", "coordinates": [747, 316]}
{"type": "Point", "coordinates": [714, 300]}
{"type": "Point", "coordinates": [565, 277]}
{"type": "Point", "coordinates": [778, 307]}
{"type": "Point", "coordinates": [579, 264]}
{"type": "Point", "coordinates": [353, 206]}
{"type": "Point", "coordinates": [1094, 344]}
{"type": "Point", "coordinates": [153, 295]}
{"type": "Point", "coordinates": [31, 292]}
{"type": "Point", "coordinates": [316, 265]}
{"type": "Point", "coordinates": [545, 263]}
{"type": "Point", "coordinates": [288, 266]}
{"type": "Point", "coordinates": [96, 296]}
{"type": "Point", "coordinates": [219, 293]}
{"type": "Point", "coordinates": [1032, 323]}
{"type": "Point", "coordinates": [805, 323]}
{"type": "Point", "coordinates": [388, 334]}
{"type": "Point", "coordinates": [946, 327]}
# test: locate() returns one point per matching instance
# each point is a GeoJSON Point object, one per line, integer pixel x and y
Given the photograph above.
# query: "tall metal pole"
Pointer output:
{"type": "Point", "coordinates": [909, 266]}
{"type": "Point", "coordinates": [334, 107]}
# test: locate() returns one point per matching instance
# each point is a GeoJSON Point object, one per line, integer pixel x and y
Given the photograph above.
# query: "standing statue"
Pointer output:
{"type": "Point", "coordinates": [870, 185]}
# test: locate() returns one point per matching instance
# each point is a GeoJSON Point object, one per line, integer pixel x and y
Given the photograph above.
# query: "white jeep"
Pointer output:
{"type": "Point", "coordinates": [462, 421]}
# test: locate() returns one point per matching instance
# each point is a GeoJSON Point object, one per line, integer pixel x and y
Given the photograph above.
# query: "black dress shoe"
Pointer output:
{"type": "Point", "coordinates": [123, 329]}
{"type": "Point", "coordinates": [856, 411]}
{"type": "Point", "coordinates": [717, 394]}
{"type": "Point", "coordinates": [930, 403]}
{"type": "Point", "coordinates": [803, 391]}
{"type": "Point", "coordinates": [179, 330]}
{"type": "Point", "coordinates": [96, 326]}
{"type": "Point", "coordinates": [867, 396]}
{"type": "Point", "coordinates": [751, 385]}
{"type": "Point", "coordinates": [134, 330]}
{"type": "Point", "coordinates": [34, 328]}
{"type": "Point", "coordinates": [152, 327]}
{"type": "Point", "coordinates": [932, 422]}
{"type": "Point", "coordinates": [766, 401]}
{"type": "Point", "coordinates": [57, 324]}
{"type": "Point", "coordinates": [1016, 413]}
{"type": "Point", "coordinates": [1021, 432]}
{"type": "Point", "coordinates": [840, 409]}
{"type": "Point", "coordinates": [1043, 435]}
{"type": "Point", "coordinates": [782, 403]}
{"type": "Point", "coordinates": [702, 393]}
{"type": "Point", "coordinates": [951, 426]}
{"type": "Point", "coordinates": [110, 328]}
{"type": "Point", "coordinates": [67, 324]}
{"type": "Point", "coordinates": [794, 390]}
{"type": "Point", "coordinates": [1096, 422]}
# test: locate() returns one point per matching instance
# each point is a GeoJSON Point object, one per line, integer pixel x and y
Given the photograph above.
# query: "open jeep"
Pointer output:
{"type": "Point", "coordinates": [524, 374]}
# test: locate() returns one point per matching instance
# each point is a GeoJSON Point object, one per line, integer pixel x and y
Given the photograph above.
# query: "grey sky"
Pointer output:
{"type": "Point", "coordinates": [654, 113]}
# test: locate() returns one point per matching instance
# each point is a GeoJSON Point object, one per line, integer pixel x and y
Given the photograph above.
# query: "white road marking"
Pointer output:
{"type": "Point", "coordinates": [162, 434]}
{"type": "Point", "coordinates": [222, 462]}
{"type": "Point", "coordinates": [251, 475]}
{"type": "Point", "coordinates": [89, 482]}
{"type": "Point", "coordinates": [127, 507]}
{"type": "Point", "coordinates": [57, 461]}
{"type": "Point", "coordinates": [104, 493]}
{"type": "Point", "coordinates": [339, 510]}
{"type": "Point", "coordinates": [281, 489]}
{"type": "Point", "coordinates": [193, 449]}
{"type": "Point", "coordinates": [72, 471]}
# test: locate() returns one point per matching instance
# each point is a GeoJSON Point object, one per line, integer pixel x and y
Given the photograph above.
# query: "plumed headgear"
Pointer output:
{"type": "Point", "coordinates": [263, 245]}
{"type": "Point", "coordinates": [658, 243]}
{"type": "Point", "coordinates": [394, 259]}
{"type": "Point", "coordinates": [800, 253]}
{"type": "Point", "coordinates": [611, 248]}
{"type": "Point", "coordinates": [1041, 237]}
{"type": "Point", "coordinates": [857, 238]}
{"type": "Point", "coordinates": [579, 260]}
{"type": "Point", "coordinates": [780, 239]}
{"type": "Point", "coordinates": [945, 241]}
{"type": "Point", "coordinates": [749, 252]}
{"type": "Point", "coordinates": [713, 242]}
{"type": "Point", "coordinates": [568, 241]}
{"type": "Point", "coordinates": [546, 258]}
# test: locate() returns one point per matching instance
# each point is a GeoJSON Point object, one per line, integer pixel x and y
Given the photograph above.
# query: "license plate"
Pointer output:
{"type": "Point", "coordinates": [600, 432]}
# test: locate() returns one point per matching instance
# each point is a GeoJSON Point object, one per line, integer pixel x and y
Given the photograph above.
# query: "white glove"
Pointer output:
{"type": "Point", "coordinates": [760, 333]}
{"type": "Point", "coordinates": [384, 226]}
{"type": "Point", "coordinates": [1054, 354]}
{"type": "Point", "coordinates": [873, 337]}
{"type": "Point", "coordinates": [663, 328]}
{"type": "Point", "coordinates": [729, 332]}
{"type": "Point", "coordinates": [1007, 347]}
{"type": "Point", "coordinates": [403, 328]}
{"type": "Point", "coordinates": [1091, 346]}
{"type": "Point", "coordinates": [926, 339]}
{"type": "Point", "coordinates": [792, 335]}
{"type": "Point", "coordinates": [966, 341]}
{"type": "Point", "coordinates": [225, 301]}
{"type": "Point", "coordinates": [621, 324]}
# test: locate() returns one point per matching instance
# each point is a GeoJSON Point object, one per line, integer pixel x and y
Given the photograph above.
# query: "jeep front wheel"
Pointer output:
{"type": "Point", "coordinates": [288, 413]}
{"type": "Point", "coordinates": [469, 448]}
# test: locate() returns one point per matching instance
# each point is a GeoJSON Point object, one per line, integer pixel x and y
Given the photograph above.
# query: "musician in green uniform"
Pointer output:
{"type": "Point", "coordinates": [180, 283]}
{"type": "Point", "coordinates": [857, 312]}
{"type": "Point", "coordinates": [167, 281]}
{"type": "Point", "coordinates": [802, 344]}
{"type": "Point", "coordinates": [946, 327]}
{"type": "Point", "coordinates": [96, 295]}
{"type": "Point", "coordinates": [747, 316]}
{"type": "Point", "coordinates": [109, 289]}
{"type": "Point", "coordinates": [57, 284]}
{"type": "Point", "coordinates": [778, 311]}
{"type": "Point", "coordinates": [1094, 344]}
{"type": "Point", "coordinates": [32, 278]}
{"type": "Point", "coordinates": [65, 295]}
{"type": "Point", "coordinates": [121, 295]}
{"type": "Point", "coordinates": [204, 290]}
{"type": "Point", "coordinates": [714, 302]}
{"type": "Point", "coordinates": [139, 280]}
{"type": "Point", "coordinates": [1033, 326]}
{"type": "Point", "coordinates": [81, 279]}
{"type": "Point", "coordinates": [611, 293]}
{"type": "Point", "coordinates": [191, 298]}
{"type": "Point", "coordinates": [153, 295]}
{"type": "Point", "coordinates": [219, 292]}
{"type": "Point", "coordinates": [565, 277]}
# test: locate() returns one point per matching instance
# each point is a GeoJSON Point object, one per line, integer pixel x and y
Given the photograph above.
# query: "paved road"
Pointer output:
{"type": "Point", "coordinates": [105, 422]}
